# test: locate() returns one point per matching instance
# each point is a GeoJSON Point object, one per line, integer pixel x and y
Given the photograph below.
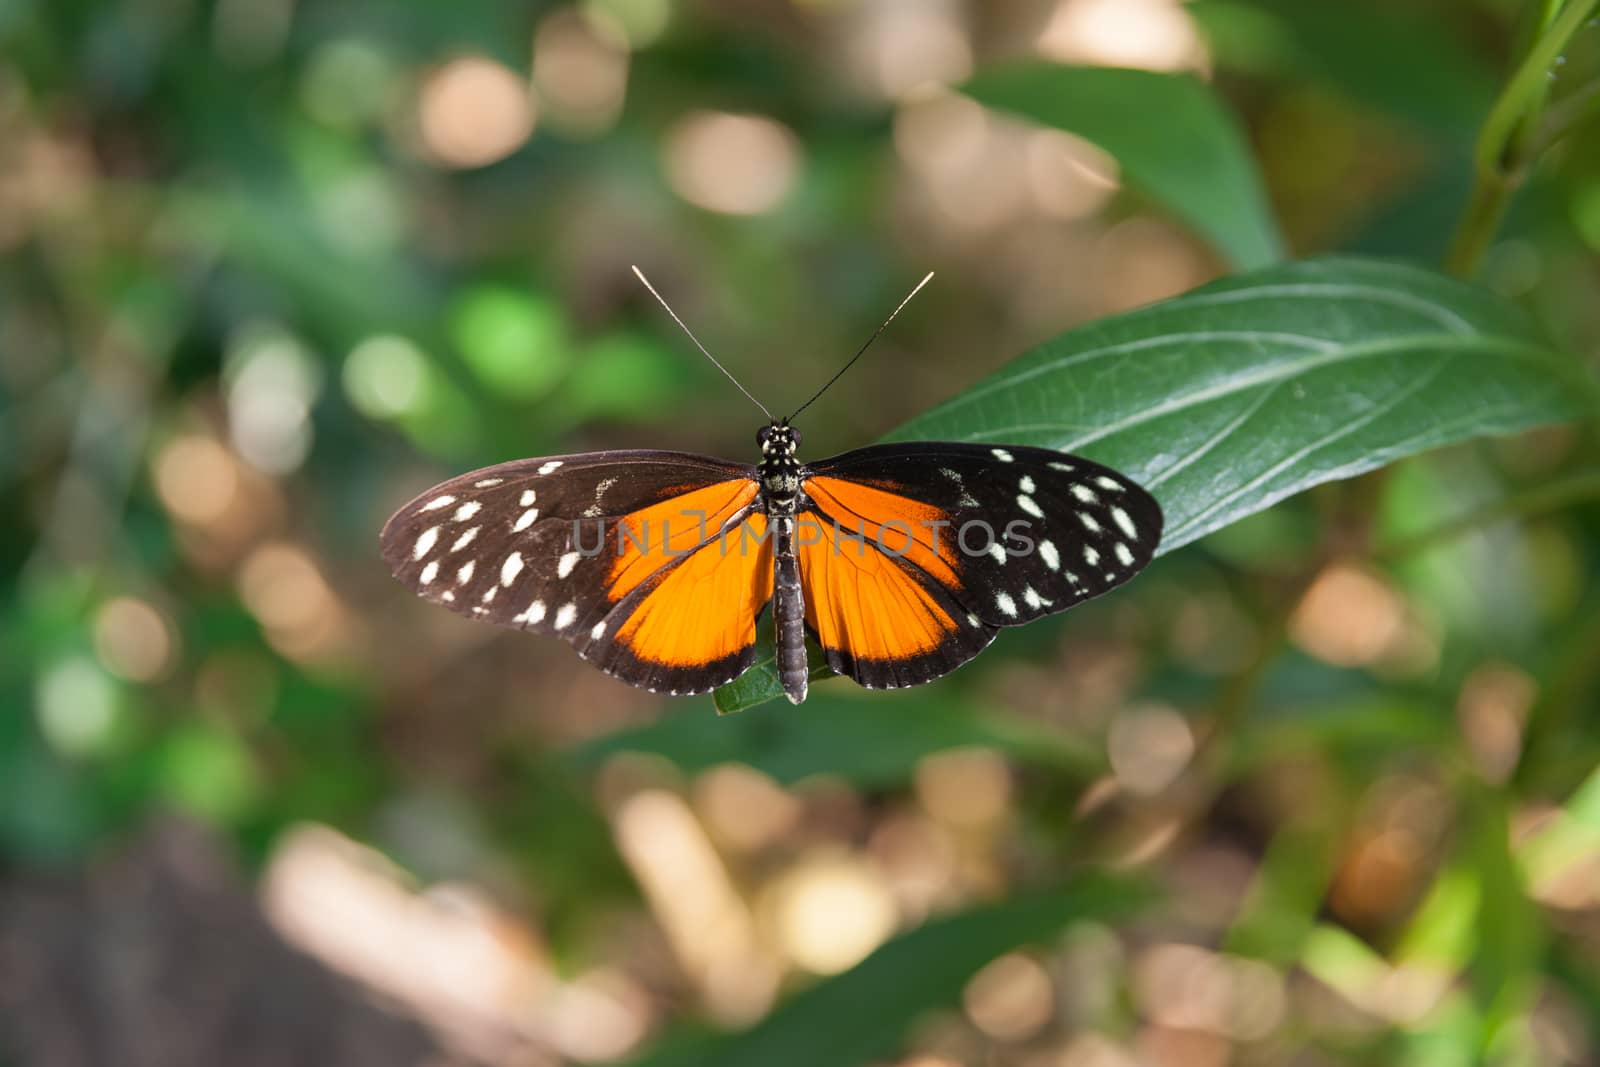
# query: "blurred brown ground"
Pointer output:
{"type": "Point", "coordinates": [157, 956]}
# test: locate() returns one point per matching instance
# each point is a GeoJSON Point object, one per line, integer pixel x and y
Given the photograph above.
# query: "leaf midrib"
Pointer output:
{"type": "Point", "coordinates": [1403, 301]}
{"type": "Point", "coordinates": [1277, 372]}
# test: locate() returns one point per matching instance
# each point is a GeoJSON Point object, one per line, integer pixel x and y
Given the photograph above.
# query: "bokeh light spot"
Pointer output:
{"type": "Point", "coordinates": [831, 912]}
{"type": "Point", "coordinates": [348, 82]}
{"type": "Point", "coordinates": [734, 164]}
{"type": "Point", "coordinates": [1010, 999]}
{"type": "Point", "coordinates": [964, 787]}
{"type": "Point", "coordinates": [515, 342]}
{"type": "Point", "coordinates": [196, 479]}
{"type": "Point", "coordinates": [903, 46]}
{"type": "Point", "coordinates": [209, 773]}
{"type": "Point", "coordinates": [272, 383]}
{"type": "Point", "coordinates": [634, 23]}
{"type": "Point", "coordinates": [580, 73]}
{"type": "Point", "coordinates": [133, 640]}
{"type": "Point", "coordinates": [386, 375]}
{"type": "Point", "coordinates": [474, 111]}
{"type": "Point", "coordinates": [1349, 617]}
{"type": "Point", "coordinates": [1148, 748]}
{"type": "Point", "coordinates": [744, 807]}
{"type": "Point", "coordinates": [1152, 34]}
{"type": "Point", "coordinates": [76, 707]}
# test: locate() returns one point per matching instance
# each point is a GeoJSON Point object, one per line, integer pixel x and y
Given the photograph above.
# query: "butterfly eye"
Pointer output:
{"type": "Point", "coordinates": [762, 435]}
{"type": "Point", "coordinates": [794, 435]}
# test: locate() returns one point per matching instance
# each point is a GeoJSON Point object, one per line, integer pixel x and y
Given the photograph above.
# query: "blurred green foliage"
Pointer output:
{"type": "Point", "coordinates": [267, 268]}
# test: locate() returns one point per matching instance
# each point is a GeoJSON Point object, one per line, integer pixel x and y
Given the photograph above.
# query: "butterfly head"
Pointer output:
{"type": "Point", "coordinates": [778, 439]}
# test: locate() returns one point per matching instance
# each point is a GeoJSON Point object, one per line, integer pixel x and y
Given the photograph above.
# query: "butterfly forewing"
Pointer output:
{"type": "Point", "coordinates": [1010, 533]}
{"type": "Point", "coordinates": [605, 550]}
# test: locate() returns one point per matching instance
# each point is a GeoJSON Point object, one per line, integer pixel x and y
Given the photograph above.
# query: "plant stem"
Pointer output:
{"type": "Point", "coordinates": [1508, 142]}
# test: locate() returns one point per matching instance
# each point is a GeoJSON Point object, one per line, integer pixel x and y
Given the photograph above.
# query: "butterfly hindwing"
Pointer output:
{"type": "Point", "coordinates": [607, 550]}
{"type": "Point", "coordinates": [1007, 534]}
{"type": "Point", "coordinates": [880, 617]}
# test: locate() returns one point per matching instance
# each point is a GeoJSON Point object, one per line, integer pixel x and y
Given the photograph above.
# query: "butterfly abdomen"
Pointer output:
{"type": "Point", "coordinates": [789, 610]}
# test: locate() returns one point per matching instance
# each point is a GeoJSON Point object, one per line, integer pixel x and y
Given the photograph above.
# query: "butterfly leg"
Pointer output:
{"type": "Point", "coordinates": [789, 610]}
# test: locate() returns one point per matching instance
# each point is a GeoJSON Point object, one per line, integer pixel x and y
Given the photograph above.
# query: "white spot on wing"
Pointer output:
{"type": "Point", "coordinates": [438, 502]}
{"type": "Point", "coordinates": [1124, 554]}
{"type": "Point", "coordinates": [534, 614]}
{"type": "Point", "coordinates": [1084, 493]}
{"type": "Point", "coordinates": [1004, 602]}
{"type": "Point", "coordinates": [1073, 578]}
{"type": "Point", "coordinates": [1090, 556]}
{"type": "Point", "coordinates": [528, 497]}
{"type": "Point", "coordinates": [998, 551]}
{"type": "Point", "coordinates": [1125, 523]}
{"type": "Point", "coordinates": [465, 539]}
{"type": "Point", "coordinates": [511, 568]}
{"type": "Point", "coordinates": [464, 575]}
{"type": "Point", "coordinates": [425, 542]}
{"type": "Point", "coordinates": [546, 468]}
{"type": "Point", "coordinates": [467, 510]}
{"type": "Point", "coordinates": [489, 596]}
{"type": "Point", "coordinates": [599, 631]}
{"type": "Point", "coordinates": [1034, 600]}
{"type": "Point", "coordinates": [448, 597]}
{"type": "Point", "coordinates": [565, 614]}
{"type": "Point", "coordinates": [525, 520]}
{"type": "Point", "coordinates": [592, 511]}
{"type": "Point", "coordinates": [1052, 559]}
{"type": "Point", "coordinates": [974, 620]}
{"type": "Point", "coordinates": [1001, 454]}
{"type": "Point", "coordinates": [430, 572]}
{"type": "Point", "coordinates": [1089, 522]}
{"type": "Point", "coordinates": [565, 565]}
{"type": "Point", "coordinates": [487, 483]}
{"type": "Point", "coordinates": [1026, 504]}
{"type": "Point", "coordinates": [1109, 483]}
{"type": "Point", "coordinates": [1065, 468]}
{"type": "Point", "coordinates": [1026, 485]}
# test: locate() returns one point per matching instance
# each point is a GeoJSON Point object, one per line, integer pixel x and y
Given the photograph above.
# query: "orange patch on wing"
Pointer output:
{"type": "Point", "coordinates": [706, 608]}
{"type": "Point", "coordinates": [651, 538]}
{"type": "Point", "coordinates": [919, 533]}
{"type": "Point", "coordinates": [862, 601]}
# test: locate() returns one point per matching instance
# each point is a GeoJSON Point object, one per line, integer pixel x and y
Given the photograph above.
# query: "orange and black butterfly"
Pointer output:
{"type": "Point", "coordinates": [902, 561]}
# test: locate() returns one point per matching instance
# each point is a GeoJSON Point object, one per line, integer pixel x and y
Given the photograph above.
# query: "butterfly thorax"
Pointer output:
{"type": "Point", "coordinates": [779, 472]}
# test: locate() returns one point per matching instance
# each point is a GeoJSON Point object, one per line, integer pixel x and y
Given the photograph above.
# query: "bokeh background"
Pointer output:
{"type": "Point", "coordinates": [269, 267]}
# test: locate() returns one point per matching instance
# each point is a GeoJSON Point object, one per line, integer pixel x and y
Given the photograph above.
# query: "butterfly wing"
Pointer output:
{"type": "Point", "coordinates": [960, 540]}
{"type": "Point", "coordinates": [651, 564]}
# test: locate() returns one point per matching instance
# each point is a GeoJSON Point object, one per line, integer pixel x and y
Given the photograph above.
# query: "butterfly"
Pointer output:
{"type": "Point", "coordinates": [902, 561]}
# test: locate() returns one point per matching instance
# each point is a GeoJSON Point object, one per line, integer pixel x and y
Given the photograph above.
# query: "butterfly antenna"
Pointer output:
{"type": "Point", "coordinates": [700, 346]}
{"type": "Point", "coordinates": [914, 291]}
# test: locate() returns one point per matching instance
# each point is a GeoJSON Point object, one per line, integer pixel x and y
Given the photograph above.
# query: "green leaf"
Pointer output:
{"type": "Point", "coordinates": [871, 741]}
{"type": "Point", "coordinates": [1194, 160]}
{"type": "Point", "coordinates": [864, 1013]}
{"type": "Point", "coordinates": [1421, 71]}
{"type": "Point", "coordinates": [1230, 398]}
